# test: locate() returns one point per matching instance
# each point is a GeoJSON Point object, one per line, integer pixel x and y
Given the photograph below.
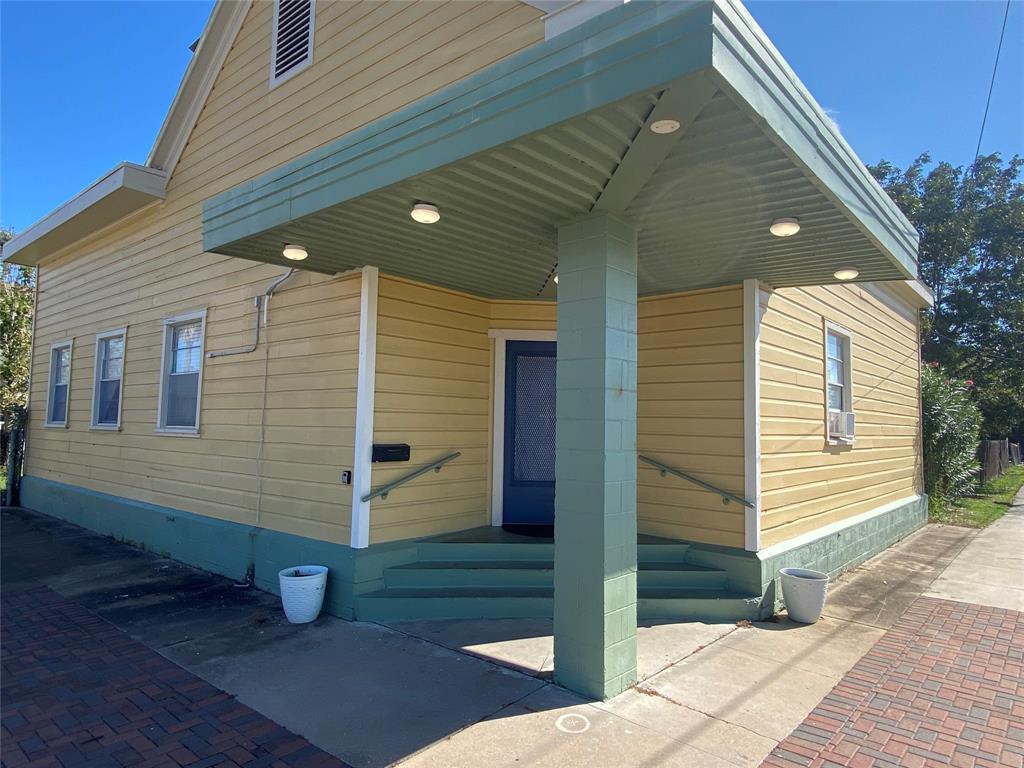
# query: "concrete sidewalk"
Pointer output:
{"type": "Point", "coordinates": [990, 570]}
{"type": "Point", "coordinates": [477, 693]}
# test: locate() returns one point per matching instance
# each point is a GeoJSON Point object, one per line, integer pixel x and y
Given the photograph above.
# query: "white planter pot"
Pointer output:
{"type": "Point", "coordinates": [302, 592]}
{"type": "Point", "coordinates": [803, 592]}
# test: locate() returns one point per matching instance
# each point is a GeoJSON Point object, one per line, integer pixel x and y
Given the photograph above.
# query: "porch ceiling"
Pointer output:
{"type": "Point", "coordinates": [703, 197]}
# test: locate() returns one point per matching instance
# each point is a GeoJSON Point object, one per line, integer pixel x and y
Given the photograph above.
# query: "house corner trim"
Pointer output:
{"type": "Point", "coordinates": [365, 386]}
{"type": "Point", "coordinates": [754, 304]}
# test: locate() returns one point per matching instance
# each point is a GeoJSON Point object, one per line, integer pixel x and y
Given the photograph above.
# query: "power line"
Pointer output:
{"type": "Point", "coordinates": [992, 82]}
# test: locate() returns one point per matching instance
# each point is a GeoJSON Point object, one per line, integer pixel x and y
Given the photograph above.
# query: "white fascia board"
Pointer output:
{"type": "Point", "coordinates": [214, 45]}
{"type": "Point", "coordinates": [562, 15]}
{"type": "Point", "coordinates": [121, 192]}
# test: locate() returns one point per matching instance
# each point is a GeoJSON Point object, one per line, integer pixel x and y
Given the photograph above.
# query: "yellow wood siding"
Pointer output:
{"type": "Point", "coordinates": [807, 483]}
{"type": "Point", "coordinates": [435, 385]}
{"type": "Point", "coordinates": [433, 392]}
{"type": "Point", "coordinates": [310, 366]}
{"type": "Point", "coordinates": [690, 413]}
{"type": "Point", "coordinates": [370, 58]}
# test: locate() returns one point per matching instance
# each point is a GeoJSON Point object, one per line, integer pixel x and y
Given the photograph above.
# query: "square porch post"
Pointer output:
{"type": "Point", "coordinates": [595, 457]}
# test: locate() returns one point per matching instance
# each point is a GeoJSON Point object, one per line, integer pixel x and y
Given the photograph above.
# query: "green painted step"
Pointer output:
{"type": "Point", "coordinates": [690, 605]}
{"type": "Point", "coordinates": [529, 573]}
{"type": "Point", "coordinates": [396, 603]}
{"type": "Point", "coordinates": [532, 550]}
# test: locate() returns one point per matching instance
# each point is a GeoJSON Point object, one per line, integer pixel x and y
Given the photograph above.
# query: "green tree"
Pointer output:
{"type": "Point", "coordinates": [16, 298]}
{"type": "Point", "coordinates": [971, 223]}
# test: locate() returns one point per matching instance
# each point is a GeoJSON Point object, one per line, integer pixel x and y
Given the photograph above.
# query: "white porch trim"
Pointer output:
{"type": "Point", "coordinates": [755, 301]}
{"type": "Point", "coordinates": [500, 336]}
{"type": "Point", "coordinates": [365, 387]}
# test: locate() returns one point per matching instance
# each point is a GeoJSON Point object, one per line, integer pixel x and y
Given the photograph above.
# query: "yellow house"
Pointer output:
{"type": "Point", "coordinates": [497, 309]}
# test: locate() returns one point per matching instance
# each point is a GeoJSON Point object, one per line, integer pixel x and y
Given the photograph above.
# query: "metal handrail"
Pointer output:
{"type": "Point", "coordinates": [665, 469]}
{"type": "Point", "coordinates": [384, 490]}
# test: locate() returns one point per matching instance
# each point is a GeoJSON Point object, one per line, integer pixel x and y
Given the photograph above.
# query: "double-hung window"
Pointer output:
{"type": "Point", "coordinates": [106, 391]}
{"type": "Point", "coordinates": [181, 379]}
{"type": "Point", "coordinates": [839, 383]}
{"type": "Point", "coordinates": [59, 384]}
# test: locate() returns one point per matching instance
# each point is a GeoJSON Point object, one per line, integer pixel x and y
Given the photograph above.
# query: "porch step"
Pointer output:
{"type": "Point", "coordinates": [531, 573]}
{"type": "Point", "coordinates": [533, 550]}
{"type": "Point", "coordinates": [397, 603]}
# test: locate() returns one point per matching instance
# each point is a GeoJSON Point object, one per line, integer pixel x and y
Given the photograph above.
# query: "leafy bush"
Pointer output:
{"type": "Point", "coordinates": [952, 429]}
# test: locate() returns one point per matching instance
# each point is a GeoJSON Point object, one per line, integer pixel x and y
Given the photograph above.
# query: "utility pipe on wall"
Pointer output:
{"type": "Point", "coordinates": [258, 301]}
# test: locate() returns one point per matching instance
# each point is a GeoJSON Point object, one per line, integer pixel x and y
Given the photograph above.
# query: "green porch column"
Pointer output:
{"type": "Point", "coordinates": [595, 457]}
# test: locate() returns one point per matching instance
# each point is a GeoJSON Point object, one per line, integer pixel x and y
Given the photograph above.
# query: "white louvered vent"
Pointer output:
{"type": "Point", "coordinates": [293, 39]}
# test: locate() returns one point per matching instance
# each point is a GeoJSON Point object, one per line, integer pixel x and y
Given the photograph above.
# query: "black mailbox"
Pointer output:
{"type": "Point", "coordinates": [390, 452]}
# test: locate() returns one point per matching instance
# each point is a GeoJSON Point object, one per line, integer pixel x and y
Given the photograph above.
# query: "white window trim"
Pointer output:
{"type": "Point", "coordinates": [830, 327]}
{"type": "Point", "coordinates": [93, 423]}
{"type": "Point", "coordinates": [500, 336]}
{"type": "Point", "coordinates": [276, 81]}
{"type": "Point", "coordinates": [168, 324]}
{"type": "Point", "coordinates": [70, 344]}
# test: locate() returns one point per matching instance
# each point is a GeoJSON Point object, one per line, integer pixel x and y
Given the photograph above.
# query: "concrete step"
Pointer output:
{"type": "Point", "coordinates": [690, 605]}
{"type": "Point", "coordinates": [685, 604]}
{"type": "Point", "coordinates": [531, 573]}
{"type": "Point", "coordinates": [445, 551]}
{"type": "Point", "coordinates": [532, 550]}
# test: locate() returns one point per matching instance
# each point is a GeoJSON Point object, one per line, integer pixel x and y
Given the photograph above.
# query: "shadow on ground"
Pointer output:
{"type": "Point", "coordinates": [361, 691]}
{"type": "Point", "coordinates": [475, 693]}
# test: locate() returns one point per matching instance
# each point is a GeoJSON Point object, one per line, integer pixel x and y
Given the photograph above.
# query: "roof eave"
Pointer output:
{"type": "Point", "coordinates": [121, 192]}
{"type": "Point", "coordinates": [754, 72]}
{"type": "Point", "coordinates": [214, 45]}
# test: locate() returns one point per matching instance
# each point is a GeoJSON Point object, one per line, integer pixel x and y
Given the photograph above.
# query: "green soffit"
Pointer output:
{"type": "Point", "coordinates": [559, 130]}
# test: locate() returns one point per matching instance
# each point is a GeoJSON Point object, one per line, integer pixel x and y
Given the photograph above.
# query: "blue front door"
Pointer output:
{"type": "Point", "coordinates": [529, 484]}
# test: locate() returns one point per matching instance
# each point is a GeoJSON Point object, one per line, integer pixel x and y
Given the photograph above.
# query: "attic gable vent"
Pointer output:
{"type": "Point", "coordinates": [292, 49]}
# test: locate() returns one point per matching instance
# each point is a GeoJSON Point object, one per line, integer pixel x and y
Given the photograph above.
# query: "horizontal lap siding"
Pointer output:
{"type": "Point", "coordinates": [690, 413]}
{"type": "Point", "coordinates": [432, 392]}
{"type": "Point", "coordinates": [370, 58]}
{"type": "Point", "coordinates": [311, 361]}
{"type": "Point", "coordinates": [806, 483]}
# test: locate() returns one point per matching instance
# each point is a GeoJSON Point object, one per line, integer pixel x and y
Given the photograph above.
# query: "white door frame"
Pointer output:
{"type": "Point", "coordinates": [500, 336]}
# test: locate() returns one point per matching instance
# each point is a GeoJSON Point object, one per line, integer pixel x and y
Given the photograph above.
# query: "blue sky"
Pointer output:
{"type": "Point", "coordinates": [898, 77]}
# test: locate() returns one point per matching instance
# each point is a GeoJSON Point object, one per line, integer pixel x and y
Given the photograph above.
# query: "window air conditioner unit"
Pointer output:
{"type": "Point", "coordinates": [841, 425]}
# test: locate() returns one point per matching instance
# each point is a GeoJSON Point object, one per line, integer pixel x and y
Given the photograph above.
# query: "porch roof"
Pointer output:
{"type": "Point", "coordinates": [560, 130]}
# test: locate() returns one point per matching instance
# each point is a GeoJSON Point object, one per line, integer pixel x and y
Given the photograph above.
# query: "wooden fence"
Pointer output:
{"type": "Point", "coordinates": [995, 457]}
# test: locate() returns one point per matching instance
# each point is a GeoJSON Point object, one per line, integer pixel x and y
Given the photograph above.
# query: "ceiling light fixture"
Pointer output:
{"type": "Point", "coordinates": [294, 252]}
{"type": "Point", "coordinates": [425, 213]}
{"type": "Point", "coordinates": [664, 126]}
{"type": "Point", "coordinates": [785, 227]}
{"type": "Point", "coordinates": [846, 273]}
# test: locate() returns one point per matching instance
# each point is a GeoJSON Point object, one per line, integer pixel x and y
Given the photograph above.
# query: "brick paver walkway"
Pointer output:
{"type": "Point", "coordinates": [76, 691]}
{"type": "Point", "coordinates": [945, 686]}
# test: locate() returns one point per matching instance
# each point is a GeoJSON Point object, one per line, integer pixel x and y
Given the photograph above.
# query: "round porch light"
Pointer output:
{"type": "Point", "coordinates": [846, 273]}
{"type": "Point", "coordinates": [785, 227]}
{"type": "Point", "coordinates": [425, 213]}
{"type": "Point", "coordinates": [664, 126]}
{"type": "Point", "coordinates": [555, 278]}
{"type": "Point", "coordinates": [294, 252]}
